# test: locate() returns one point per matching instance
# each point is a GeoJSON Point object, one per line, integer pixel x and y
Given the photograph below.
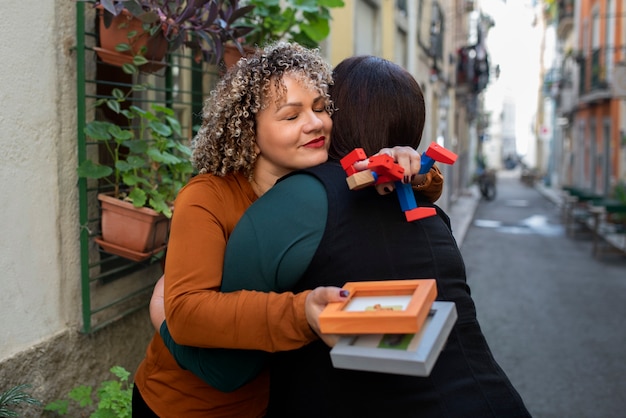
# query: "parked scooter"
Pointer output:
{"type": "Point", "coordinates": [487, 184]}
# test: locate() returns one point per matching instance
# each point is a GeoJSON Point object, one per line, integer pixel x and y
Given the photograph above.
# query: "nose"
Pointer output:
{"type": "Point", "coordinates": [314, 123]}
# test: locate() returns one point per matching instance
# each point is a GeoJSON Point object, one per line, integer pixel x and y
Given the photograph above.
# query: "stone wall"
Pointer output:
{"type": "Point", "coordinates": [71, 359]}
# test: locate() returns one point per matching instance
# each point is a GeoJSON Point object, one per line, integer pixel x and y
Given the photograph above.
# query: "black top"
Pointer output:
{"type": "Point", "coordinates": [368, 238]}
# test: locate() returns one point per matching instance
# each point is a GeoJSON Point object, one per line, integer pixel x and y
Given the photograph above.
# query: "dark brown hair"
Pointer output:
{"type": "Point", "coordinates": [378, 104]}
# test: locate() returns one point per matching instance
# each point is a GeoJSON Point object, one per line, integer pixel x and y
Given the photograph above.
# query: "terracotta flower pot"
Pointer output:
{"type": "Point", "coordinates": [117, 33]}
{"type": "Point", "coordinates": [130, 232]}
{"type": "Point", "coordinates": [232, 54]}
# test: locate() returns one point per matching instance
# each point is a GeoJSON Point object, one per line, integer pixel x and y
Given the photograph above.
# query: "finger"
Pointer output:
{"type": "Point", "coordinates": [411, 163]}
{"type": "Point", "coordinates": [330, 339]}
{"type": "Point", "coordinates": [317, 300]}
{"type": "Point", "coordinates": [388, 151]}
{"type": "Point", "coordinates": [385, 188]}
{"type": "Point", "coordinates": [327, 294]}
{"type": "Point", "coordinates": [361, 165]}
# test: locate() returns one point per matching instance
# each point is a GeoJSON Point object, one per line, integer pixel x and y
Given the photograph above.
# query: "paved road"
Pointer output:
{"type": "Point", "coordinates": [553, 315]}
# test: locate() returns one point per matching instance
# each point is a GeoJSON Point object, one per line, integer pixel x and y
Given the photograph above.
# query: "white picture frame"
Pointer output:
{"type": "Point", "coordinates": [415, 355]}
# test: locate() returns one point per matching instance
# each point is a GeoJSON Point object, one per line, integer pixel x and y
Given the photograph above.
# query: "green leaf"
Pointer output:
{"type": "Point", "coordinates": [120, 135]}
{"type": "Point", "coordinates": [129, 68]}
{"type": "Point", "coordinates": [59, 406]}
{"type": "Point", "coordinates": [317, 29]}
{"type": "Point", "coordinates": [160, 128]}
{"type": "Point", "coordinates": [138, 111]}
{"type": "Point", "coordinates": [98, 130]}
{"type": "Point", "coordinates": [139, 60]}
{"type": "Point", "coordinates": [121, 373]}
{"type": "Point", "coordinates": [140, 87]}
{"type": "Point", "coordinates": [15, 396]}
{"type": "Point", "coordinates": [307, 5]}
{"type": "Point", "coordinates": [114, 105]}
{"type": "Point", "coordinates": [118, 94]}
{"type": "Point", "coordinates": [131, 163]}
{"type": "Point", "coordinates": [161, 206]}
{"type": "Point", "coordinates": [137, 147]}
{"type": "Point", "coordinates": [179, 146]}
{"type": "Point", "coordinates": [159, 108]}
{"type": "Point", "coordinates": [123, 47]}
{"type": "Point", "coordinates": [175, 125]}
{"type": "Point", "coordinates": [138, 197]}
{"type": "Point", "coordinates": [331, 3]}
{"type": "Point", "coordinates": [89, 169]}
{"type": "Point", "coordinates": [162, 157]}
{"type": "Point", "coordinates": [128, 114]}
{"type": "Point", "coordinates": [82, 395]}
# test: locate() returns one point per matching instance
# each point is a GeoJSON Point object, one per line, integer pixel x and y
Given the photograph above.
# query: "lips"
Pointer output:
{"type": "Point", "coordinates": [316, 143]}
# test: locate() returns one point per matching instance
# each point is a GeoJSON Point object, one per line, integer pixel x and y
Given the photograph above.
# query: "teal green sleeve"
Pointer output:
{"type": "Point", "coordinates": [274, 241]}
{"type": "Point", "coordinates": [223, 369]}
{"type": "Point", "coordinates": [269, 250]}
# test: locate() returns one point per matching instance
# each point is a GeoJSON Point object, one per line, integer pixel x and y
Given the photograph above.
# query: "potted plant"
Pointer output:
{"type": "Point", "coordinates": [203, 26]}
{"type": "Point", "coordinates": [304, 22]}
{"type": "Point", "coordinates": [150, 162]}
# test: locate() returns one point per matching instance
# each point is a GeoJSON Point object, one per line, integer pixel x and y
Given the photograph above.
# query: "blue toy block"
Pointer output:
{"type": "Point", "coordinates": [405, 196]}
{"type": "Point", "coordinates": [427, 164]}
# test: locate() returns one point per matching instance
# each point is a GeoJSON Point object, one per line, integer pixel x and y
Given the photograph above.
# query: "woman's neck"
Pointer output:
{"type": "Point", "coordinates": [264, 178]}
{"type": "Point", "coordinates": [259, 186]}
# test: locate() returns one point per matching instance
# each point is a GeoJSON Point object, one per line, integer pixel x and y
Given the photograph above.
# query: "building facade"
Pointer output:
{"type": "Point", "coordinates": [587, 84]}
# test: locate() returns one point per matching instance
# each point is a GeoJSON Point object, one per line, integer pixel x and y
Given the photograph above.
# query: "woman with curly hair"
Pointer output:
{"type": "Point", "coordinates": [269, 115]}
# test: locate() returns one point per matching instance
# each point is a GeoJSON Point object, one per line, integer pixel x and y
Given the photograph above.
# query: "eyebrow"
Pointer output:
{"type": "Point", "coordinates": [298, 104]}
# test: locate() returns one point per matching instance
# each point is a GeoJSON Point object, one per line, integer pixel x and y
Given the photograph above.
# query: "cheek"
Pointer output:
{"type": "Point", "coordinates": [328, 123]}
{"type": "Point", "coordinates": [265, 137]}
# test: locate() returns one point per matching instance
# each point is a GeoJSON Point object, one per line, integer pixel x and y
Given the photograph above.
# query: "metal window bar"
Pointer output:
{"type": "Point", "coordinates": [113, 287]}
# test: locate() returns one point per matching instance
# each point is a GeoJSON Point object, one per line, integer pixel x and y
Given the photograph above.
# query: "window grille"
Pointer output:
{"type": "Point", "coordinates": [113, 287]}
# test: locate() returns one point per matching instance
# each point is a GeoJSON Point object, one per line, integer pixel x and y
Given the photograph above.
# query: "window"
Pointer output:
{"type": "Point", "coordinates": [113, 287]}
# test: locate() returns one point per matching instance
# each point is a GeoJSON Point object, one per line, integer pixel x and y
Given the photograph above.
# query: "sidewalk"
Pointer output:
{"type": "Point", "coordinates": [548, 192]}
{"type": "Point", "coordinates": [462, 212]}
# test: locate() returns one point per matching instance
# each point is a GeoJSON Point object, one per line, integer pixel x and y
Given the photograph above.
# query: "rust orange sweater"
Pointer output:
{"type": "Point", "coordinates": [206, 211]}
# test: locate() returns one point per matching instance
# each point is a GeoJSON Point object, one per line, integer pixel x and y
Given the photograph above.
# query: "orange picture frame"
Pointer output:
{"type": "Point", "coordinates": [380, 307]}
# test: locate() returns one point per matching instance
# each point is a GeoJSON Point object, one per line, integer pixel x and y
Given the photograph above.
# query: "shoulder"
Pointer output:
{"type": "Point", "coordinates": [298, 194]}
{"type": "Point", "coordinates": [208, 189]}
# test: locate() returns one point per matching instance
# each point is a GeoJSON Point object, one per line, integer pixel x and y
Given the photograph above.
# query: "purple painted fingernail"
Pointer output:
{"type": "Point", "coordinates": [344, 293]}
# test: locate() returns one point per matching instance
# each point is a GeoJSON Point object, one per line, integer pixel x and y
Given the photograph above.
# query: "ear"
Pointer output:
{"type": "Point", "coordinates": [257, 150]}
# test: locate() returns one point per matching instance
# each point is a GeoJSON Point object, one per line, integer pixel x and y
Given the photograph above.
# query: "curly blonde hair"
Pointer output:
{"type": "Point", "coordinates": [225, 142]}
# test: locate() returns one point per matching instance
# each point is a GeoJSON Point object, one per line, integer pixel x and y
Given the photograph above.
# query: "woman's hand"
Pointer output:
{"type": "Point", "coordinates": [315, 303]}
{"type": "Point", "coordinates": [157, 307]}
{"type": "Point", "coordinates": [408, 158]}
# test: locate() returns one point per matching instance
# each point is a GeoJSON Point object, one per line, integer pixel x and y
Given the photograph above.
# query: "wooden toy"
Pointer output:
{"type": "Point", "coordinates": [382, 169]}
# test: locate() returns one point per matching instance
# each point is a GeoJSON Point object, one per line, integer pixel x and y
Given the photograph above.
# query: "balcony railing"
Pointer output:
{"type": "Point", "coordinates": [598, 70]}
{"type": "Point", "coordinates": [593, 72]}
{"type": "Point", "coordinates": [566, 9]}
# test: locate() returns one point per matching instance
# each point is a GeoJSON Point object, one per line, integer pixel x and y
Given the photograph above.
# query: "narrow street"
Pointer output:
{"type": "Point", "coordinates": [552, 313]}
